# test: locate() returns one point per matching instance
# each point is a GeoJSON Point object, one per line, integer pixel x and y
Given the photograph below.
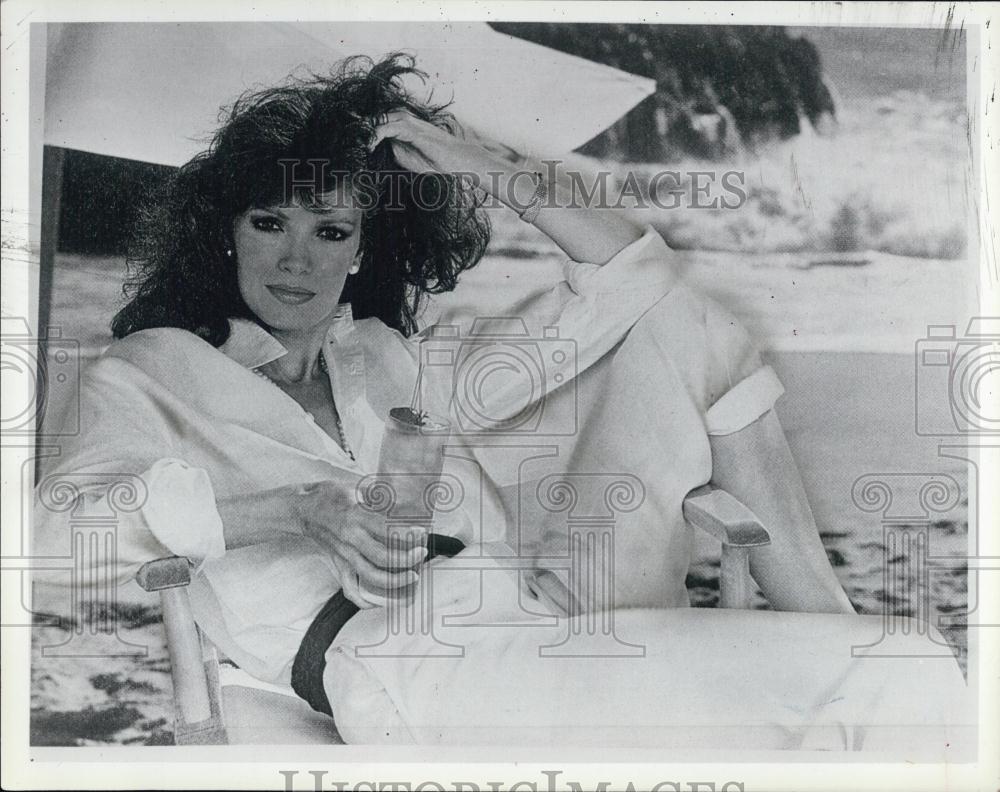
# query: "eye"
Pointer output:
{"type": "Point", "coordinates": [331, 234]}
{"type": "Point", "coordinates": [265, 223]}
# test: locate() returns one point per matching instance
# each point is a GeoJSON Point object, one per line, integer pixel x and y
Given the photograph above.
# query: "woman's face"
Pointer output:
{"type": "Point", "coordinates": [292, 262]}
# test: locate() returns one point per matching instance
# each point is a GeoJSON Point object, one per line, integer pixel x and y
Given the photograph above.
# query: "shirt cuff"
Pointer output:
{"type": "Point", "coordinates": [180, 510]}
{"type": "Point", "coordinates": [744, 403]}
{"type": "Point", "coordinates": [638, 265]}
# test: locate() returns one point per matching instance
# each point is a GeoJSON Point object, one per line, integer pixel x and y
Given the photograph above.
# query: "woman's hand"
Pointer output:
{"type": "Point", "coordinates": [356, 540]}
{"type": "Point", "coordinates": [422, 147]}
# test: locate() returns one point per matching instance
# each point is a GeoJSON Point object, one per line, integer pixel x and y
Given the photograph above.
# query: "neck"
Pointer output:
{"type": "Point", "coordinates": [301, 362]}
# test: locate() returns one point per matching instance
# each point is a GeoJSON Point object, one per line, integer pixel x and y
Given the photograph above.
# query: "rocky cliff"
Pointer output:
{"type": "Point", "coordinates": [718, 87]}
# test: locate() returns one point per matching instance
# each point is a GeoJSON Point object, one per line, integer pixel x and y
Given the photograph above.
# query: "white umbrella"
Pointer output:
{"type": "Point", "coordinates": [152, 91]}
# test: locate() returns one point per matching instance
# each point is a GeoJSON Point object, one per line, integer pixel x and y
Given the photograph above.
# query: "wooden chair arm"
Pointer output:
{"type": "Point", "coordinates": [717, 512]}
{"type": "Point", "coordinates": [712, 510]}
{"type": "Point", "coordinates": [197, 708]}
{"type": "Point", "coordinates": [164, 573]}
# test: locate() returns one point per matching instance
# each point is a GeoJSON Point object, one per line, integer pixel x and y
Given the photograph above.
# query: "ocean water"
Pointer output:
{"type": "Point", "coordinates": [889, 174]}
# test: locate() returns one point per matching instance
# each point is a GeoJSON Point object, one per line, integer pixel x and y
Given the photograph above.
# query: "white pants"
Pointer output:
{"type": "Point", "coordinates": [506, 673]}
{"type": "Point", "coordinates": [473, 660]}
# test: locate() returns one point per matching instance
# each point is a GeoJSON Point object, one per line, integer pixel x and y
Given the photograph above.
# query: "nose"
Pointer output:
{"type": "Point", "coordinates": [295, 256]}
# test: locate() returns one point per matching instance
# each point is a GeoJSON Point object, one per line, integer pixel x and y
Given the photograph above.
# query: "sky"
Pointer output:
{"type": "Point", "coordinates": [868, 62]}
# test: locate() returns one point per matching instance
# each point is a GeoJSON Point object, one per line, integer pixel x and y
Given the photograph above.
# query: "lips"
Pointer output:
{"type": "Point", "coordinates": [290, 295]}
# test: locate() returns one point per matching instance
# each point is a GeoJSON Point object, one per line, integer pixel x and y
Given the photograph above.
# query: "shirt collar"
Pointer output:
{"type": "Point", "coordinates": [252, 346]}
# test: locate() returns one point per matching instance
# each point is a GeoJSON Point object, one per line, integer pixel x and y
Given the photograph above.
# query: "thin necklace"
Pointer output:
{"type": "Point", "coordinates": [336, 412]}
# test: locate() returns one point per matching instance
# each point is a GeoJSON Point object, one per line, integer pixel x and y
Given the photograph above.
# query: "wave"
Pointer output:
{"type": "Point", "coordinates": [889, 175]}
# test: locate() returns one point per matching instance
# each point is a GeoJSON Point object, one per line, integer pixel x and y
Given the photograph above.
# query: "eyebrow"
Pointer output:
{"type": "Point", "coordinates": [331, 210]}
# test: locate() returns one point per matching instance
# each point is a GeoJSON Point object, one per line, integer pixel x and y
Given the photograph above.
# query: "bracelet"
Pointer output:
{"type": "Point", "coordinates": [534, 205]}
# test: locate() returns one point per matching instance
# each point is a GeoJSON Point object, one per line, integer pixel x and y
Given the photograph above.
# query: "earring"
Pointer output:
{"type": "Point", "coordinates": [355, 269]}
{"type": "Point", "coordinates": [229, 252]}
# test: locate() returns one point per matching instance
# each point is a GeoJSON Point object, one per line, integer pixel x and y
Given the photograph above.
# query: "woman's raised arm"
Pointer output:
{"type": "Point", "coordinates": [584, 233]}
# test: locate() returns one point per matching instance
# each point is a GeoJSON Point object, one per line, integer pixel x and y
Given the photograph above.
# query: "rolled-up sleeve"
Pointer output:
{"type": "Point", "coordinates": [124, 467]}
{"type": "Point", "coordinates": [751, 398]}
{"type": "Point", "coordinates": [646, 263]}
{"type": "Point", "coordinates": [742, 387]}
{"type": "Point", "coordinates": [180, 510]}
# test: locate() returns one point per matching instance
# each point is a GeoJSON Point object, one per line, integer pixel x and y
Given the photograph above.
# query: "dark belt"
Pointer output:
{"type": "Point", "coordinates": [310, 660]}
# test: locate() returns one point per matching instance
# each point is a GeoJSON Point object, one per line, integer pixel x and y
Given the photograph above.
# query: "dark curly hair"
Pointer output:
{"type": "Point", "coordinates": [180, 275]}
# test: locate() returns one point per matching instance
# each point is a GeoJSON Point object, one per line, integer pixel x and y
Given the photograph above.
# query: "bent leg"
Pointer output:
{"type": "Point", "coordinates": [638, 431]}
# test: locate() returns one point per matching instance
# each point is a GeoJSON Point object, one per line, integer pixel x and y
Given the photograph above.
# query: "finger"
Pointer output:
{"type": "Point", "coordinates": [405, 537]}
{"type": "Point", "coordinates": [383, 555]}
{"type": "Point", "coordinates": [349, 582]}
{"type": "Point", "coordinates": [393, 557]}
{"type": "Point", "coordinates": [395, 130]}
{"type": "Point", "coordinates": [371, 547]}
{"type": "Point", "coordinates": [354, 593]}
{"type": "Point", "coordinates": [412, 536]}
{"type": "Point", "coordinates": [403, 116]}
{"type": "Point", "coordinates": [405, 559]}
{"type": "Point", "coordinates": [372, 576]}
{"type": "Point", "coordinates": [401, 125]}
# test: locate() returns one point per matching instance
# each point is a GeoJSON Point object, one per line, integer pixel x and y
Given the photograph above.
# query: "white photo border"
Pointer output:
{"type": "Point", "coordinates": [246, 767]}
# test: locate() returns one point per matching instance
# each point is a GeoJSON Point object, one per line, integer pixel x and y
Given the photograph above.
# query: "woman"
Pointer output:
{"type": "Point", "coordinates": [271, 328]}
